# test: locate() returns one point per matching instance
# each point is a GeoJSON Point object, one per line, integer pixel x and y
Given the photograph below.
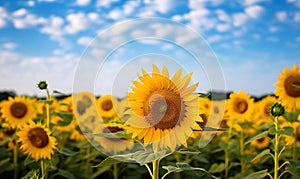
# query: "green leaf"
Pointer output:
{"type": "Point", "coordinates": [28, 161]}
{"type": "Point", "coordinates": [143, 157]}
{"type": "Point", "coordinates": [257, 175]}
{"type": "Point", "coordinates": [263, 153]}
{"type": "Point", "coordinates": [66, 116]}
{"type": "Point", "coordinates": [64, 173]}
{"type": "Point", "coordinates": [223, 144]}
{"type": "Point", "coordinates": [120, 134]}
{"type": "Point", "coordinates": [272, 130]}
{"type": "Point", "coordinates": [100, 171]}
{"type": "Point", "coordinates": [170, 168]}
{"type": "Point", "coordinates": [50, 102]}
{"type": "Point", "coordinates": [205, 128]}
{"type": "Point", "coordinates": [58, 92]}
{"type": "Point", "coordinates": [217, 168]}
{"type": "Point", "coordinates": [114, 160]}
{"type": "Point", "coordinates": [203, 95]}
{"type": "Point", "coordinates": [265, 126]}
{"type": "Point", "coordinates": [291, 116]}
{"type": "Point", "coordinates": [286, 130]}
{"type": "Point", "coordinates": [67, 152]}
{"type": "Point", "coordinates": [186, 152]}
{"type": "Point", "coordinates": [258, 136]}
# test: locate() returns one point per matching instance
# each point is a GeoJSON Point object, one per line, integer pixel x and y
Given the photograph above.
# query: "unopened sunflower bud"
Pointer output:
{"type": "Point", "coordinates": [276, 110]}
{"type": "Point", "coordinates": [42, 85]}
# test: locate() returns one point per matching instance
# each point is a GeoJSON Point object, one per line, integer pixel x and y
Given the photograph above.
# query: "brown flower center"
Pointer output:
{"type": "Point", "coordinates": [261, 140]}
{"type": "Point", "coordinates": [113, 130]}
{"type": "Point", "coordinates": [163, 109]}
{"type": "Point", "coordinates": [81, 107]}
{"type": "Point", "coordinates": [298, 133]}
{"type": "Point", "coordinates": [38, 137]}
{"type": "Point", "coordinates": [18, 109]}
{"type": "Point", "coordinates": [204, 118]}
{"type": "Point", "coordinates": [290, 85]}
{"type": "Point", "coordinates": [107, 105]}
{"type": "Point", "coordinates": [240, 106]}
{"type": "Point", "coordinates": [267, 108]}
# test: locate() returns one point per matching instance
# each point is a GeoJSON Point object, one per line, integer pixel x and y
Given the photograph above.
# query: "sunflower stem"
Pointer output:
{"type": "Point", "coordinates": [276, 155]}
{"type": "Point", "coordinates": [155, 168]}
{"type": "Point", "coordinates": [227, 153]}
{"type": "Point", "coordinates": [48, 110]}
{"type": "Point", "coordinates": [242, 151]}
{"type": "Point", "coordinates": [43, 168]}
{"type": "Point", "coordinates": [16, 159]}
{"type": "Point", "coordinates": [295, 145]}
{"type": "Point", "coordinates": [115, 171]}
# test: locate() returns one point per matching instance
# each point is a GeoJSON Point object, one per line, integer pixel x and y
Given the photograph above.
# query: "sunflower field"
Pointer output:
{"type": "Point", "coordinates": [163, 128]}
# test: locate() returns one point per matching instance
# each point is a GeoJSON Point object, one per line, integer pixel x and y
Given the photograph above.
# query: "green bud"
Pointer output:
{"type": "Point", "coordinates": [42, 85]}
{"type": "Point", "coordinates": [276, 110]}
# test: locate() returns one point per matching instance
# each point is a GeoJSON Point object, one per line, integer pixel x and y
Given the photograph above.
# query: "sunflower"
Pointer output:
{"type": "Point", "coordinates": [288, 89]}
{"type": "Point", "coordinates": [240, 106]}
{"type": "Point", "coordinates": [18, 111]}
{"type": "Point", "coordinates": [163, 111]}
{"type": "Point", "coordinates": [77, 135]}
{"type": "Point", "coordinates": [260, 143]}
{"type": "Point", "coordinates": [36, 141]}
{"type": "Point", "coordinates": [106, 105]}
{"type": "Point", "coordinates": [263, 109]}
{"type": "Point", "coordinates": [41, 106]}
{"type": "Point", "coordinates": [113, 145]}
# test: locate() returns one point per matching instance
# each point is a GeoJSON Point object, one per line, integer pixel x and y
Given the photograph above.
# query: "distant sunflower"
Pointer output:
{"type": "Point", "coordinates": [105, 105]}
{"type": "Point", "coordinates": [264, 108]}
{"type": "Point", "coordinates": [240, 106]}
{"type": "Point", "coordinates": [260, 143]}
{"type": "Point", "coordinates": [18, 111]}
{"type": "Point", "coordinates": [77, 135]}
{"type": "Point", "coordinates": [113, 145]}
{"type": "Point", "coordinates": [164, 110]}
{"type": "Point", "coordinates": [41, 106]}
{"type": "Point", "coordinates": [288, 89]}
{"type": "Point", "coordinates": [36, 141]}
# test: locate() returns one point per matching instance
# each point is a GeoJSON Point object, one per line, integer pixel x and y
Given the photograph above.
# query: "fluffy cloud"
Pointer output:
{"type": "Point", "coordinates": [273, 29]}
{"type": "Point", "coordinates": [254, 11]}
{"type": "Point", "coordinates": [83, 2]}
{"type": "Point", "coordinates": [53, 26]}
{"type": "Point", "coordinates": [105, 3]}
{"type": "Point", "coordinates": [23, 19]}
{"type": "Point", "coordinates": [3, 16]}
{"type": "Point", "coordinates": [250, 2]}
{"type": "Point", "coordinates": [85, 41]}
{"type": "Point", "coordinates": [239, 19]}
{"type": "Point", "coordinates": [223, 27]}
{"type": "Point", "coordinates": [223, 16]}
{"type": "Point", "coordinates": [281, 16]}
{"type": "Point", "coordinates": [295, 2]}
{"type": "Point", "coordinates": [163, 6]}
{"type": "Point", "coordinates": [10, 45]}
{"type": "Point", "coordinates": [297, 17]}
{"type": "Point", "coordinates": [76, 22]}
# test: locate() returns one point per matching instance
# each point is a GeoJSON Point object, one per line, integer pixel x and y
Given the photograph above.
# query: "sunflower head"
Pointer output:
{"type": "Point", "coordinates": [106, 105]}
{"type": "Point", "coordinates": [36, 141]}
{"type": "Point", "coordinates": [288, 87]}
{"type": "Point", "coordinates": [277, 110]}
{"type": "Point", "coordinates": [163, 109]}
{"type": "Point", "coordinates": [42, 85]}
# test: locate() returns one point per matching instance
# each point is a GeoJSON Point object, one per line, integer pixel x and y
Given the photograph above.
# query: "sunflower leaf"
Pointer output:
{"type": "Point", "coordinates": [67, 152]}
{"type": "Point", "coordinates": [58, 92]}
{"type": "Point", "coordinates": [203, 95]}
{"type": "Point", "coordinates": [286, 130]}
{"type": "Point", "coordinates": [50, 102]}
{"type": "Point", "coordinates": [291, 116]}
{"type": "Point", "coordinates": [64, 173]}
{"type": "Point", "coordinates": [64, 115]}
{"type": "Point", "coordinates": [258, 136]}
{"type": "Point", "coordinates": [28, 161]}
{"type": "Point", "coordinates": [263, 153]}
{"type": "Point", "coordinates": [186, 152]}
{"type": "Point", "coordinates": [120, 134]}
{"type": "Point", "coordinates": [115, 159]}
{"type": "Point", "coordinates": [259, 174]}
{"type": "Point", "coordinates": [217, 168]}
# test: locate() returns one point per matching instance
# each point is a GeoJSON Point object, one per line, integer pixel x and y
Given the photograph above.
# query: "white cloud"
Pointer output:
{"type": "Point", "coordinates": [28, 20]}
{"type": "Point", "coordinates": [83, 2]}
{"type": "Point", "coordinates": [53, 26]}
{"type": "Point", "coordinates": [85, 41]}
{"type": "Point", "coordinates": [273, 29]}
{"type": "Point", "coordinates": [3, 17]}
{"type": "Point", "coordinates": [223, 27]}
{"type": "Point", "coordinates": [298, 39]}
{"type": "Point", "coordinates": [116, 14]}
{"type": "Point", "coordinates": [163, 6]}
{"type": "Point", "coordinates": [295, 2]}
{"type": "Point", "coordinates": [20, 12]}
{"type": "Point", "coordinates": [281, 16]}
{"type": "Point", "coordinates": [105, 3]}
{"type": "Point", "coordinates": [30, 3]}
{"type": "Point", "coordinates": [272, 39]}
{"type": "Point", "coordinates": [177, 18]}
{"type": "Point", "coordinates": [76, 22]}
{"type": "Point", "coordinates": [223, 16]}
{"type": "Point", "coordinates": [10, 45]}
{"type": "Point", "coordinates": [254, 11]}
{"type": "Point", "coordinates": [250, 2]}
{"type": "Point", "coordinates": [297, 17]}
{"type": "Point", "coordinates": [214, 38]}
{"type": "Point", "coordinates": [46, 0]}
{"type": "Point", "coordinates": [131, 7]}
{"type": "Point", "coordinates": [239, 19]}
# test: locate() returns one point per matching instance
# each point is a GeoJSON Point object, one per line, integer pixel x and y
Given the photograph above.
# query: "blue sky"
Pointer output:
{"type": "Point", "coordinates": [45, 39]}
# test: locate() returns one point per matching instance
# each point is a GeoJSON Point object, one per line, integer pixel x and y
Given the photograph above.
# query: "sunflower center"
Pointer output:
{"type": "Point", "coordinates": [240, 106]}
{"type": "Point", "coordinates": [81, 107]}
{"type": "Point", "coordinates": [87, 100]}
{"type": "Point", "coordinates": [291, 85]}
{"type": "Point", "coordinates": [38, 137]}
{"type": "Point", "coordinates": [163, 109]}
{"type": "Point", "coordinates": [261, 140]}
{"type": "Point", "coordinates": [18, 109]}
{"type": "Point", "coordinates": [107, 105]}
{"type": "Point", "coordinates": [205, 118]}
{"type": "Point", "coordinates": [298, 133]}
{"type": "Point", "coordinates": [267, 108]}
{"type": "Point", "coordinates": [113, 130]}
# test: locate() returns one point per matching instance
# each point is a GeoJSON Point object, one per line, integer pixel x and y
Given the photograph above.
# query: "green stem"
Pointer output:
{"type": "Point", "coordinates": [276, 158]}
{"type": "Point", "coordinates": [115, 171]}
{"type": "Point", "coordinates": [227, 153]}
{"type": "Point", "coordinates": [48, 110]}
{"type": "Point", "coordinates": [242, 151]}
{"type": "Point", "coordinates": [295, 145]}
{"type": "Point", "coordinates": [16, 160]}
{"type": "Point", "coordinates": [155, 172]}
{"type": "Point", "coordinates": [43, 168]}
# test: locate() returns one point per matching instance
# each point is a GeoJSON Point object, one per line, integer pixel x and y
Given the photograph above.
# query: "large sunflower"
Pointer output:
{"type": "Point", "coordinates": [113, 145]}
{"type": "Point", "coordinates": [18, 110]}
{"type": "Point", "coordinates": [105, 105]}
{"type": "Point", "coordinates": [36, 141]}
{"type": "Point", "coordinates": [240, 106]}
{"type": "Point", "coordinates": [163, 110]}
{"type": "Point", "coordinates": [288, 89]}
